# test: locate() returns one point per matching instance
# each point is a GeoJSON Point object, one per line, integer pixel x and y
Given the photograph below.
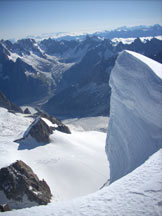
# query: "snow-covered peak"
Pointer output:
{"type": "Point", "coordinates": [154, 65]}
{"type": "Point", "coordinates": [122, 28]}
{"type": "Point", "coordinates": [130, 40]}
{"type": "Point", "coordinates": [135, 113]}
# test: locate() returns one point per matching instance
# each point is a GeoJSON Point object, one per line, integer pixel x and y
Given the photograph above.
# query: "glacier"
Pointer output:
{"type": "Point", "coordinates": [135, 126]}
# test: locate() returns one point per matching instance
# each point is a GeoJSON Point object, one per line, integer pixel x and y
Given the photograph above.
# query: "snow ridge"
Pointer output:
{"type": "Point", "coordinates": [155, 66]}
{"type": "Point", "coordinates": [135, 114]}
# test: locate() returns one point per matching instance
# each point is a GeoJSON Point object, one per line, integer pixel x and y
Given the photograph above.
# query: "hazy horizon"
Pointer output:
{"type": "Point", "coordinates": [19, 19]}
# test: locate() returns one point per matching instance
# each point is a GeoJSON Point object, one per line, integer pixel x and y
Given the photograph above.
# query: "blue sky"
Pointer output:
{"type": "Point", "coordinates": [20, 18]}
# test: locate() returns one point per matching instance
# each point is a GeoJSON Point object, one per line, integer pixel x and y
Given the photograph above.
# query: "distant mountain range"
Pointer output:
{"type": "Point", "coordinates": [124, 32]}
{"type": "Point", "coordinates": [69, 77]}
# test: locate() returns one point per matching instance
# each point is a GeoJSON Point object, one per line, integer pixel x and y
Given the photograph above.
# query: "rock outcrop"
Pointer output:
{"type": "Point", "coordinates": [38, 133]}
{"type": "Point", "coordinates": [59, 125]}
{"type": "Point", "coordinates": [4, 207]}
{"type": "Point", "coordinates": [21, 187]}
{"type": "Point", "coordinates": [38, 130]}
{"type": "Point", "coordinates": [4, 102]}
{"type": "Point", "coordinates": [63, 128]}
{"type": "Point", "coordinates": [27, 111]}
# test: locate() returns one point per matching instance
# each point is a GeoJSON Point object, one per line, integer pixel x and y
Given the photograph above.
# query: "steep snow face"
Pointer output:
{"type": "Point", "coordinates": [136, 116]}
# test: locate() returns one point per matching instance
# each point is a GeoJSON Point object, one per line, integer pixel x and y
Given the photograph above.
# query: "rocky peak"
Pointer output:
{"type": "Point", "coordinates": [26, 43]}
{"type": "Point", "coordinates": [91, 41]}
{"type": "Point", "coordinates": [24, 46]}
{"type": "Point", "coordinates": [51, 46]}
{"type": "Point", "coordinates": [39, 130]}
{"type": "Point", "coordinates": [27, 111]}
{"type": "Point", "coordinates": [137, 40]}
{"type": "Point", "coordinates": [22, 187]}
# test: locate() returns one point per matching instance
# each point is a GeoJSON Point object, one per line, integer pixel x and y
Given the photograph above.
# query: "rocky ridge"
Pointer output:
{"type": "Point", "coordinates": [22, 187]}
{"type": "Point", "coordinates": [38, 130]}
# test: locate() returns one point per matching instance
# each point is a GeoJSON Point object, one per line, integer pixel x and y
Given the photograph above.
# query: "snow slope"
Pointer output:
{"type": "Point", "coordinates": [72, 164]}
{"type": "Point", "coordinates": [136, 194]}
{"type": "Point", "coordinates": [135, 124]}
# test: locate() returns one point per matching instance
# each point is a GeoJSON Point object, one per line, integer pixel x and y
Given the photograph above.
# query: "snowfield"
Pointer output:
{"type": "Point", "coordinates": [98, 123]}
{"type": "Point", "coordinates": [136, 194]}
{"type": "Point", "coordinates": [72, 164]}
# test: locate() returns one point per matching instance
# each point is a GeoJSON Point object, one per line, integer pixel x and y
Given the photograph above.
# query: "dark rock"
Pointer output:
{"type": "Point", "coordinates": [39, 130]}
{"type": "Point", "coordinates": [37, 134]}
{"type": "Point", "coordinates": [60, 126]}
{"type": "Point", "coordinates": [4, 208]}
{"type": "Point", "coordinates": [18, 180]}
{"type": "Point", "coordinates": [52, 47]}
{"type": "Point", "coordinates": [49, 117]}
{"type": "Point", "coordinates": [27, 111]}
{"type": "Point", "coordinates": [63, 128]}
{"type": "Point", "coordinates": [4, 102]}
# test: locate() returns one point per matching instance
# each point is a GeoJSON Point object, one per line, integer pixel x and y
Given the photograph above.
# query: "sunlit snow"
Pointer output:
{"type": "Point", "coordinates": [72, 164]}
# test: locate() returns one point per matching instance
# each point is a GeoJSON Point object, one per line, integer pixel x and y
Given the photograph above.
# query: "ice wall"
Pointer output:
{"type": "Point", "coordinates": [135, 127]}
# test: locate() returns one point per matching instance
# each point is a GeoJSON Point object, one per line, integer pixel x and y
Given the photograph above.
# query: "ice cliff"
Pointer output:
{"type": "Point", "coordinates": [135, 127]}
